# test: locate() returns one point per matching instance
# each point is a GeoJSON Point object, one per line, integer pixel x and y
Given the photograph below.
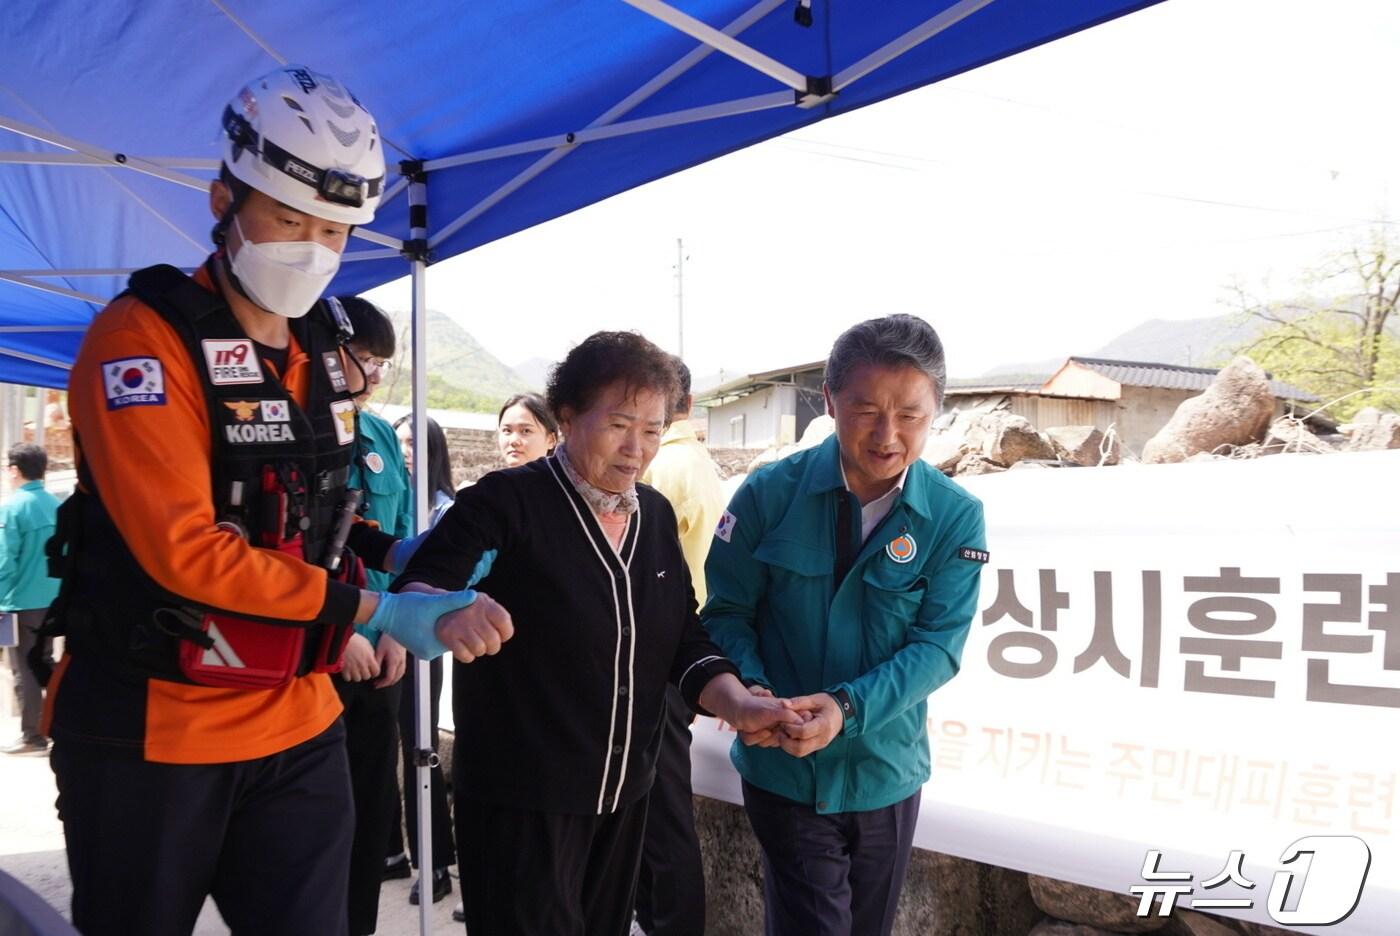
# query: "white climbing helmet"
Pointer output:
{"type": "Point", "coordinates": [302, 138]}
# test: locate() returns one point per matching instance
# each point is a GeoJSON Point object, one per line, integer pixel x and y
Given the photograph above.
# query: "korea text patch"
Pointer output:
{"type": "Point", "coordinates": [974, 555]}
{"type": "Point", "coordinates": [137, 381]}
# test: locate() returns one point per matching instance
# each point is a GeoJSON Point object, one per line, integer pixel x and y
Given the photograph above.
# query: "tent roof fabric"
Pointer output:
{"type": "Point", "coordinates": [444, 79]}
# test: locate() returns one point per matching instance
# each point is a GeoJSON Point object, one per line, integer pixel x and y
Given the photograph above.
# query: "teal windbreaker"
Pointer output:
{"type": "Point", "coordinates": [889, 634]}
{"type": "Point", "coordinates": [26, 523]}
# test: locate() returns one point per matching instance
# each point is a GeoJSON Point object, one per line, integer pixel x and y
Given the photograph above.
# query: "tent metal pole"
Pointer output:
{"type": "Point", "coordinates": [393, 192]}
{"type": "Point", "coordinates": [389, 254]}
{"type": "Point", "coordinates": [593, 134]}
{"type": "Point", "coordinates": [35, 359]}
{"type": "Point", "coordinates": [716, 39]}
{"type": "Point", "coordinates": [56, 290]}
{"type": "Point", "coordinates": [710, 112]}
{"type": "Point", "coordinates": [119, 160]}
{"type": "Point", "coordinates": [374, 237]}
{"type": "Point", "coordinates": [83, 271]}
{"type": "Point", "coordinates": [921, 33]}
{"type": "Point", "coordinates": [655, 84]}
{"type": "Point", "coordinates": [426, 757]}
{"type": "Point", "coordinates": [25, 158]}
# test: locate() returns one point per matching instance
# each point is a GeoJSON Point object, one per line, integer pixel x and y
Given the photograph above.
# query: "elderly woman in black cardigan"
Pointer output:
{"type": "Point", "coordinates": [590, 613]}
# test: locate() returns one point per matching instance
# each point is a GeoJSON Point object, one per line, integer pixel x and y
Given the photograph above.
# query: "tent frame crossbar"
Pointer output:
{"type": "Point", "coordinates": [894, 49]}
{"type": "Point", "coordinates": [611, 116]}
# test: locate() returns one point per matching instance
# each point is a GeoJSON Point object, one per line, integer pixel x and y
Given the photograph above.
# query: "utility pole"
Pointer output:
{"type": "Point", "coordinates": [680, 300]}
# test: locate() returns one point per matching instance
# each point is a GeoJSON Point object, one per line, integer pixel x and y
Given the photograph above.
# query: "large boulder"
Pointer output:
{"type": "Point", "coordinates": [1091, 906]}
{"type": "Point", "coordinates": [1052, 927]}
{"type": "Point", "coordinates": [1381, 433]}
{"type": "Point", "coordinates": [1083, 445]}
{"type": "Point", "coordinates": [1234, 410]}
{"type": "Point", "coordinates": [1190, 923]}
{"type": "Point", "coordinates": [1006, 438]}
{"type": "Point", "coordinates": [975, 464]}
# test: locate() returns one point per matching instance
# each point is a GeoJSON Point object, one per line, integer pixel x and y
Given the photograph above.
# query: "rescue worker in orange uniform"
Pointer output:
{"type": "Point", "coordinates": [211, 562]}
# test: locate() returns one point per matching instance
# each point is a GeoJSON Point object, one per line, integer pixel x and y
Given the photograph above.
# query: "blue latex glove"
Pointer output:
{"type": "Point", "coordinates": [411, 619]}
{"type": "Point", "coordinates": [402, 551]}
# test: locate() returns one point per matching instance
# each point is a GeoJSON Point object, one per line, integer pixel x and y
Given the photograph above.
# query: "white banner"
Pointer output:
{"type": "Point", "coordinates": [1197, 660]}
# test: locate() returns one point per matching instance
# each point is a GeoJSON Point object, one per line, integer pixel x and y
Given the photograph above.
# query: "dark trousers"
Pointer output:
{"type": "Point", "coordinates": [444, 855]}
{"type": "Point", "coordinates": [830, 875]}
{"type": "Point", "coordinates": [371, 743]}
{"type": "Point", "coordinates": [531, 873]}
{"type": "Point", "coordinates": [147, 842]}
{"type": "Point", "coordinates": [29, 695]}
{"type": "Point", "coordinates": [671, 886]}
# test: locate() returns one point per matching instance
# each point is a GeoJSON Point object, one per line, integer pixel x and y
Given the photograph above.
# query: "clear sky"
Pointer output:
{"type": "Point", "coordinates": [1034, 208]}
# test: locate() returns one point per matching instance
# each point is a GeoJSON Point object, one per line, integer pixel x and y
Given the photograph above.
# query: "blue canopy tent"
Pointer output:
{"type": "Point", "coordinates": [504, 115]}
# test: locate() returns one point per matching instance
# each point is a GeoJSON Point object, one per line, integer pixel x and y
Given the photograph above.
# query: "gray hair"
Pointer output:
{"type": "Point", "coordinates": [892, 341]}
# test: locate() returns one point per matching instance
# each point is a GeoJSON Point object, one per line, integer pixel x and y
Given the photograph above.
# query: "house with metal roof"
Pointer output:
{"type": "Point", "coordinates": [1134, 398]}
{"type": "Point", "coordinates": [761, 410]}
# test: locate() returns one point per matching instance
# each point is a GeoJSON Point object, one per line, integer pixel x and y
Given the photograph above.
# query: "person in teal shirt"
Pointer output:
{"type": "Point", "coordinates": [26, 523]}
{"type": "Point", "coordinates": [845, 578]}
{"type": "Point", "coordinates": [369, 683]}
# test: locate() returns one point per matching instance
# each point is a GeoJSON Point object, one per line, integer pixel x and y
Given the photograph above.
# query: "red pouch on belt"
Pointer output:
{"type": "Point", "coordinates": [244, 654]}
{"type": "Point", "coordinates": [238, 653]}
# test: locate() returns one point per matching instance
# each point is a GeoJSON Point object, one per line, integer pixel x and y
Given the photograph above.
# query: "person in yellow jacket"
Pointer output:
{"type": "Point", "coordinates": [671, 888]}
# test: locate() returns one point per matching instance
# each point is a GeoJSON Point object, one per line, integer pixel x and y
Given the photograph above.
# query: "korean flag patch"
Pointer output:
{"type": "Point", "coordinates": [137, 381]}
{"type": "Point", "coordinates": [726, 526]}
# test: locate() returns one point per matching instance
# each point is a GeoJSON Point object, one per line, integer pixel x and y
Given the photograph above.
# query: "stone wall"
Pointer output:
{"type": "Point", "coordinates": [943, 896]}
{"type": "Point", "coordinates": [473, 453]}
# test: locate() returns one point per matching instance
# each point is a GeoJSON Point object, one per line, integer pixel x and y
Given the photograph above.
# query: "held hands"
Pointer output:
{"type": "Point", "coordinates": [392, 659]}
{"type": "Point", "coordinates": [820, 721]}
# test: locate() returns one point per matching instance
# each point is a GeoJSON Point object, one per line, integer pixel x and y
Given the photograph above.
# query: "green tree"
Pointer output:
{"type": "Point", "coordinates": [1341, 337]}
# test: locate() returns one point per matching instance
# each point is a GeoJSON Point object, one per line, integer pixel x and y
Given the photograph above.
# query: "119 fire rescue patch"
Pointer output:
{"type": "Point", "coordinates": [137, 381]}
{"type": "Point", "coordinates": [232, 361]}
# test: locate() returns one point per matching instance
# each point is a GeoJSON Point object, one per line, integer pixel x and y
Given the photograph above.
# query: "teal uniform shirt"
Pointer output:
{"type": "Point", "coordinates": [26, 523]}
{"type": "Point", "coordinates": [379, 471]}
{"type": "Point", "coordinates": [889, 634]}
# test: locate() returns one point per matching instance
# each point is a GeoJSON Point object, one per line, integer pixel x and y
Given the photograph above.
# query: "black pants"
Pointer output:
{"type": "Point", "coordinates": [671, 886]}
{"type": "Point", "coordinates": [529, 873]}
{"type": "Point", "coordinates": [371, 743]}
{"type": "Point", "coordinates": [830, 875]}
{"type": "Point", "coordinates": [444, 855]}
{"type": "Point", "coordinates": [148, 842]}
{"type": "Point", "coordinates": [29, 695]}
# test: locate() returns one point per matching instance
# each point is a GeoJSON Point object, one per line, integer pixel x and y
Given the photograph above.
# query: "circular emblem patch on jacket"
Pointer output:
{"type": "Point", "coordinates": [902, 548]}
{"type": "Point", "coordinates": [374, 462]}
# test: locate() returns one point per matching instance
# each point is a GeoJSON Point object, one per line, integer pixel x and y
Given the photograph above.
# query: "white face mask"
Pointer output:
{"type": "Point", "coordinates": [285, 277]}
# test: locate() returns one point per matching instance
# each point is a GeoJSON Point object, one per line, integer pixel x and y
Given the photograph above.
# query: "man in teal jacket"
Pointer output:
{"type": "Point", "coordinates": [845, 577]}
{"type": "Point", "coordinates": [26, 523]}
